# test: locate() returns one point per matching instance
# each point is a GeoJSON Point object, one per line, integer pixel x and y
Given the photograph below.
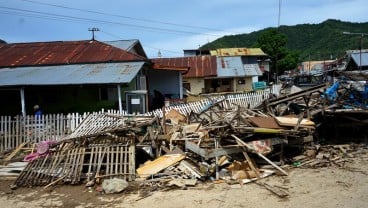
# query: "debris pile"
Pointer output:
{"type": "Point", "coordinates": [103, 146]}
{"type": "Point", "coordinates": [219, 143]}
{"type": "Point", "coordinates": [318, 156]}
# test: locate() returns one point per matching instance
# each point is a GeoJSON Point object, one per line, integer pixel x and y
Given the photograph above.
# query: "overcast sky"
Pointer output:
{"type": "Point", "coordinates": [166, 25]}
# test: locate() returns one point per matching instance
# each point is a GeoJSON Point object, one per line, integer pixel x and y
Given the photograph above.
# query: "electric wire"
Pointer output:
{"type": "Point", "coordinates": [146, 46]}
{"type": "Point", "coordinates": [28, 12]}
{"type": "Point", "coordinates": [121, 16]}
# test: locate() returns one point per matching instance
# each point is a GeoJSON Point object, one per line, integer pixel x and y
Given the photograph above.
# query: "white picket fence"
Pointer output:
{"type": "Point", "coordinates": [17, 130]}
{"type": "Point", "coordinates": [244, 99]}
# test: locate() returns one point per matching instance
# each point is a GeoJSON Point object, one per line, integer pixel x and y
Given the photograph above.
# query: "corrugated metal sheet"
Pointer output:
{"type": "Point", "coordinates": [199, 66]}
{"type": "Point", "coordinates": [103, 73]}
{"type": "Point", "coordinates": [238, 52]}
{"type": "Point", "coordinates": [58, 53]}
{"type": "Point", "coordinates": [356, 58]}
{"type": "Point", "coordinates": [122, 44]}
{"type": "Point", "coordinates": [133, 46]}
{"type": "Point", "coordinates": [234, 67]}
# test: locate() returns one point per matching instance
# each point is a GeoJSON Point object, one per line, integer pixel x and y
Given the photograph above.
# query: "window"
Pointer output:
{"type": "Point", "coordinates": [186, 85]}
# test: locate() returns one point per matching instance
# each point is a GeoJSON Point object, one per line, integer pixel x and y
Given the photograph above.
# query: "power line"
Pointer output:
{"type": "Point", "coordinates": [28, 12]}
{"type": "Point", "coordinates": [121, 16]}
{"type": "Point", "coordinates": [146, 46]}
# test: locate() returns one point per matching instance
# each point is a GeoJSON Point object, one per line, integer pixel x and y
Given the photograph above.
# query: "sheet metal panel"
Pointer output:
{"type": "Point", "coordinates": [356, 58]}
{"type": "Point", "coordinates": [234, 67]}
{"type": "Point", "coordinates": [62, 52]}
{"type": "Point", "coordinates": [105, 73]}
{"type": "Point", "coordinates": [122, 44]}
{"type": "Point", "coordinates": [133, 46]}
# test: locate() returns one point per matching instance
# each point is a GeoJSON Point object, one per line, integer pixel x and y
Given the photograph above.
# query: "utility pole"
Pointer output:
{"type": "Point", "coordinates": [279, 17]}
{"type": "Point", "coordinates": [93, 30]}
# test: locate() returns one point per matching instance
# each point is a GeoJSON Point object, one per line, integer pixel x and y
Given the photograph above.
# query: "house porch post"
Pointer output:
{"type": "Point", "coordinates": [119, 98]}
{"type": "Point", "coordinates": [22, 101]}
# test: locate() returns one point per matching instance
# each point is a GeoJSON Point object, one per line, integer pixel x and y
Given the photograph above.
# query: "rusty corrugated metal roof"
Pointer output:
{"type": "Point", "coordinates": [199, 66]}
{"type": "Point", "coordinates": [237, 52]}
{"type": "Point", "coordinates": [62, 52]}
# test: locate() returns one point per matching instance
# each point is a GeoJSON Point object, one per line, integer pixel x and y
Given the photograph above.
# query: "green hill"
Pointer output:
{"type": "Point", "coordinates": [313, 41]}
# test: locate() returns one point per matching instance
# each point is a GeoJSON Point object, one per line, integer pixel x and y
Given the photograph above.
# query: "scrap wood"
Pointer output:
{"type": "Point", "coordinates": [264, 173]}
{"type": "Point", "coordinates": [54, 182]}
{"type": "Point", "coordinates": [13, 153]}
{"type": "Point", "coordinates": [250, 162]}
{"type": "Point", "coordinates": [182, 182]}
{"type": "Point", "coordinates": [292, 121]}
{"type": "Point", "coordinates": [188, 167]}
{"type": "Point", "coordinates": [275, 190]}
{"type": "Point", "coordinates": [159, 164]}
{"type": "Point", "coordinates": [259, 154]}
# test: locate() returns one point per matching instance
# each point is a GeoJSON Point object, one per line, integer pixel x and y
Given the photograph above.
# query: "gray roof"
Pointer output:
{"type": "Point", "coordinates": [102, 73]}
{"type": "Point", "coordinates": [356, 58]}
{"type": "Point", "coordinates": [133, 46]}
{"type": "Point", "coordinates": [122, 44]}
{"type": "Point", "coordinates": [233, 66]}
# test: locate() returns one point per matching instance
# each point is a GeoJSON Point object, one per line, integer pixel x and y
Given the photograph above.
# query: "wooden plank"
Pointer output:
{"type": "Point", "coordinates": [292, 121]}
{"type": "Point", "coordinates": [13, 153]}
{"type": "Point", "coordinates": [277, 191]}
{"type": "Point", "coordinates": [210, 154]}
{"type": "Point", "coordinates": [250, 162]}
{"type": "Point", "coordinates": [121, 164]}
{"type": "Point", "coordinates": [81, 162]}
{"type": "Point", "coordinates": [91, 163]}
{"type": "Point", "coordinates": [259, 154]}
{"type": "Point", "coordinates": [159, 164]}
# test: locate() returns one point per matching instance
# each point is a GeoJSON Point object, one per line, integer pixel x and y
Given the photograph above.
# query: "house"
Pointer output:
{"type": "Point", "coordinates": [221, 70]}
{"type": "Point", "coordinates": [356, 65]}
{"type": "Point", "coordinates": [316, 66]}
{"type": "Point", "coordinates": [356, 60]}
{"type": "Point", "coordinates": [239, 68]}
{"type": "Point", "coordinates": [76, 76]}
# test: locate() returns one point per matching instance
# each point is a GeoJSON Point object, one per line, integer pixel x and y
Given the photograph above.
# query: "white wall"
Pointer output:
{"type": "Point", "coordinates": [247, 86]}
{"type": "Point", "coordinates": [196, 84]}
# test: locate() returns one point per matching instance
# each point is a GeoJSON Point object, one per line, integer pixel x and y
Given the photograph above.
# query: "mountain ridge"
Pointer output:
{"type": "Point", "coordinates": [320, 41]}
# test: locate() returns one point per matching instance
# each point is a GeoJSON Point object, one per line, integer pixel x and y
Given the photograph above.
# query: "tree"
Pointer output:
{"type": "Point", "coordinates": [289, 62]}
{"type": "Point", "coordinates": [2, 41]}
{"type": "Point", "coordinates": [273, 43]}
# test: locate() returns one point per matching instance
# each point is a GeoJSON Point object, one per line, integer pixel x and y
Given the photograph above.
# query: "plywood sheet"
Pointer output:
{"type": "Point", "coordinates": [291, 121]}
{"type": "Point", "coordinates": [159, 164]}
{"type": "Point", "coordinates": [264, 122]}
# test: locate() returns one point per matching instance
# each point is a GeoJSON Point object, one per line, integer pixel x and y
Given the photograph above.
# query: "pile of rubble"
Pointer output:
{"type": "Point", "coordinates": [318, 156]}
{"type": "Point", "coordinates": [219, 144]}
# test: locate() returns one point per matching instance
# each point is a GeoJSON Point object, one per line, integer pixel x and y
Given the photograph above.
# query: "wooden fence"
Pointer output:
{"type": "Point", "coordinates": [17, 130]}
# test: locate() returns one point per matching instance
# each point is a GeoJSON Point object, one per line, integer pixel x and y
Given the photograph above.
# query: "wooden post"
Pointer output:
{"type": "Point", "coordinates": [163, 119]}
{"type": "Point", "coordinates": [119, 99]}
{"type": "Point", "coordinates": [217, 160]}
{"type": "Point", "coordinates": [23, 102]}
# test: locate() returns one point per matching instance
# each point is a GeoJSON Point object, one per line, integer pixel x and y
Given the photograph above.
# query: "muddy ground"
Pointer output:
{"type": "Point", "coordinates": [330, 186]}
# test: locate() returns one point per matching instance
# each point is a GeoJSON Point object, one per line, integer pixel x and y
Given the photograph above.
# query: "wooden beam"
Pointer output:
{"type": "Point", "coordinates": [259, 154]}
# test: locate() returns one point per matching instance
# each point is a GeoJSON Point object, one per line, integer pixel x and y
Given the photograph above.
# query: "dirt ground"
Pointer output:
{"type": "Point", "coordinates": [323, 187]}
